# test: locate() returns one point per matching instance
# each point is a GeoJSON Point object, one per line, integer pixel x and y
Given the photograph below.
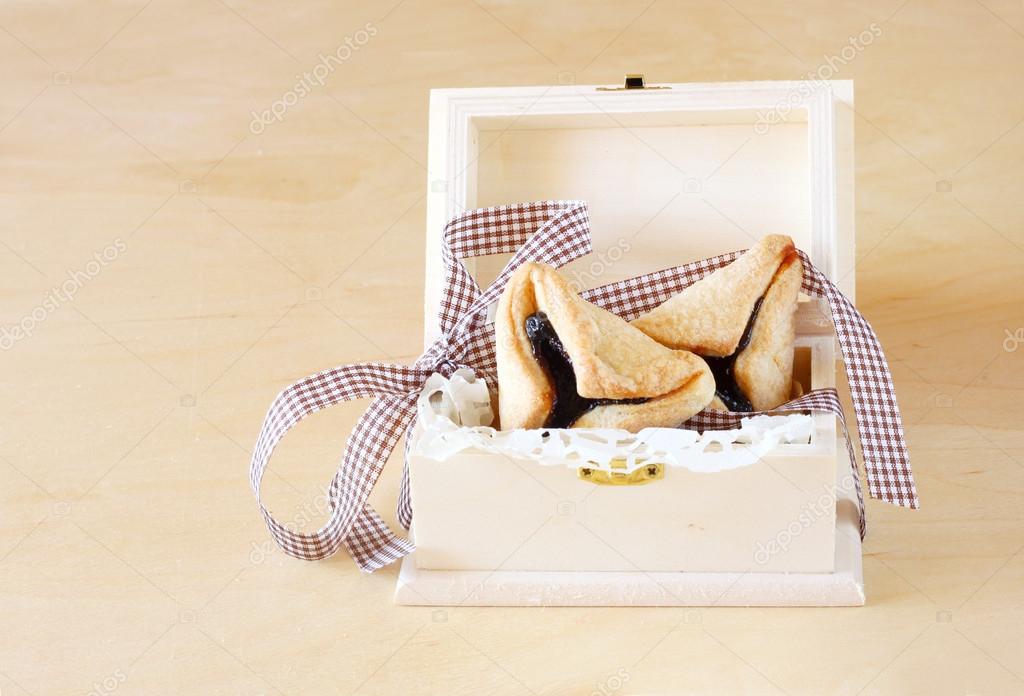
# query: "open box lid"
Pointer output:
{"type": "Point", "coordinates": [671, 173]}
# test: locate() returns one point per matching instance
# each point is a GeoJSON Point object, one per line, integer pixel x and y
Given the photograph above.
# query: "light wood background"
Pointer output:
{"type": "Point", "coordinates": [132, 556]}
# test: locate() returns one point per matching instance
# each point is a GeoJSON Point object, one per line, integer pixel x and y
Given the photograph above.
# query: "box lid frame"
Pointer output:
{"type": "Point", "coordinates": [827, 107]}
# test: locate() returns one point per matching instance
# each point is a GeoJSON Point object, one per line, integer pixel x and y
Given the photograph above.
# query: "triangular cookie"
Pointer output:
{"type": "Point", "coordinates": [563, 362]}
{"type": "Point", "coordinates": [741, 318]}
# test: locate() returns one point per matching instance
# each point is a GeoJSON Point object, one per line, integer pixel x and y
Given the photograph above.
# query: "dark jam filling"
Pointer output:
{"type": "Point", "coordinates": [550, 353]}
{"type": "Point", "coordinates": [724, 369]}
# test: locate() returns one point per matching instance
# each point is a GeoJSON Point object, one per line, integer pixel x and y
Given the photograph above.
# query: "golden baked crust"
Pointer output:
{"type": "Point", "coordinates": [611, 360]}
{"type": "Point", "coordinates": [764, 371]}
{"type": "Point", "coordinates": [710, 317]}
{"type": "Point", "coordinates": [666, 411]}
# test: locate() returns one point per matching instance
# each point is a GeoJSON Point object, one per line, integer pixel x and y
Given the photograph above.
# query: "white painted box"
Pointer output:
{"type": "Point", "coordinates": [671, 174]}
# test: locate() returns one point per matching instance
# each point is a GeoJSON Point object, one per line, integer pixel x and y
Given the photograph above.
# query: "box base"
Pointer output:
{"type": "Point", "coordinates": [505, 588]}
{"type": "Point", "coordinates": [510, 588]}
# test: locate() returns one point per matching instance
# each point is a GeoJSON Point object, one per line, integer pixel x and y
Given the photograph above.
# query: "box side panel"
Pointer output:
{"type": "Point", "coordinates": [844, 586]}
{"type": "Point", "coordinates": [488, 512]}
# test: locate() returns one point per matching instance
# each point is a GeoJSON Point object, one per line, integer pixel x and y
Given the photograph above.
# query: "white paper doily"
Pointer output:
{"type": "Point", "coordinates": [455, 415]}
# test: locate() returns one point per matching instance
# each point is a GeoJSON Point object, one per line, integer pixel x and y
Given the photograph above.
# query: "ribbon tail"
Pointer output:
{"type": "Point", "coordinates": [879, 424]}
{"type": "Point", "coordinates": [372, 544]}
{"type": "Point", "coordinates": [352, 522]}
{"type": "Point", "coordinates": [882, 441]}
{"type": "Point", "coordinates": [404, 511]}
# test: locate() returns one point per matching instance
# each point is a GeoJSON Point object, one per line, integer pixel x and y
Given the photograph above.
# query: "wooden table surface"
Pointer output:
{"type": "Point", "coordinates": [168, 265]}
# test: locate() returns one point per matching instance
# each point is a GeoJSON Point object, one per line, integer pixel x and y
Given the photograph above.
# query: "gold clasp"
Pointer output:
{"type": "Point", "coordinates": [618, 476]}
{"type": "Point", "coordinates": [632, 81]}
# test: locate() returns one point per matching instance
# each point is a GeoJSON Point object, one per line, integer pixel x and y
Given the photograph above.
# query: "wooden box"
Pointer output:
{"type": "Point", "coordinates": [671, 174]}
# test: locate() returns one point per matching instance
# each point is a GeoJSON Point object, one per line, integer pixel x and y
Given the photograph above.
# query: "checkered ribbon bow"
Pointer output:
{"type": "Point", "coordinates": [552, 232]}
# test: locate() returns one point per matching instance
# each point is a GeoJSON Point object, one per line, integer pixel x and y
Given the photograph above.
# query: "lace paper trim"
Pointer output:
{"type": "Point", "coordinates": [454, 415]}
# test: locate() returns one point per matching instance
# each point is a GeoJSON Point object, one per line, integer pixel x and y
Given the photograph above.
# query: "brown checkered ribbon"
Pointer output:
{"type": "Point", "coordinates": [552, 232]}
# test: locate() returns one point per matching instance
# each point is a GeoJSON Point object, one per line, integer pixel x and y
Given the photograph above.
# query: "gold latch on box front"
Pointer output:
{"type": "Point", "coordinates": [632, 81]}
{"type": "Point", "coordinates": [618, 476]}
